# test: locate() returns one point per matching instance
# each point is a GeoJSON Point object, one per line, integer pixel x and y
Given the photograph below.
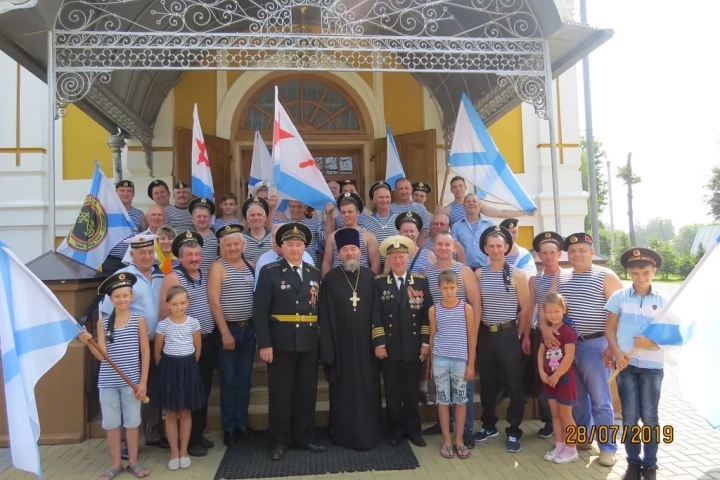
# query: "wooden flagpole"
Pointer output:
{"type": "Point", "coordinates": [442, 193]}
{"type": "Point", "coordinates": [117, 369]}
{"type": "Point", "coordinates": [617, 371]}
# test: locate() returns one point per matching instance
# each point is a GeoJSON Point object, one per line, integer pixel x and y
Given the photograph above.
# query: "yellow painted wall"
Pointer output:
{"type": "Point", "coordinates": [507, 134]}
{"type": "Point", "coordinates": [403, 103]}
{"type": "Point", "coordinates": [233, 75]}
{"type": "Point", "coordinates": [84, 141]}
{"type": "Point", "coordinates": [368, 77]}
{"type": "Point", "coordinates": [525, 236]}
{"type": "Point", "coordinates": [197, 87]}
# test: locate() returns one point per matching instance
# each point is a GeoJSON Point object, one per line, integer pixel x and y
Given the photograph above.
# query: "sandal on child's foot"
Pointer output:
{"type": "Point", "coordinates": [174, 464]}
{"type": "Point", "coordinates": [138, 470]}
{"type": "Point", "coordinates": [462, 452]}
{"type": "Point", "coordinates": [185, 462]}
{"type": "Point", "coordinates": [111, 473]}
{"type": "Point", "coordinates": [447, 451]}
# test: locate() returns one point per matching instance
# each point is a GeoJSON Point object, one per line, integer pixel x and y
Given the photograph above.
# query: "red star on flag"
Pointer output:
{"type": "Point", "coordinates": [202, 157]}
{"type": "Point", "coordinates": [279, 133]}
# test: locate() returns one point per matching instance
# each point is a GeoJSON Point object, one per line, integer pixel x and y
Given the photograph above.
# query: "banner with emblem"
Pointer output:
{"type": "Point", "coordinates": [101, 224]}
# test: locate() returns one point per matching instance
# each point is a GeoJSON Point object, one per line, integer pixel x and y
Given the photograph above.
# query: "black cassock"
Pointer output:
{"type": "Point", "coordinates": [348, 357]}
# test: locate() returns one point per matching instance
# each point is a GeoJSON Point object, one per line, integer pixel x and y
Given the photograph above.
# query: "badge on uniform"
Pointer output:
{"type": "Point", "coordinates": [283, 286]}
{"type": "Point", "coordinates": [249, 279]}
{"type": "Point", "coordinates": [314, 289]}
{"type": "Point", "coordinates": [415, 298]}
{"type": "Point", "coordinates": [386, 295]}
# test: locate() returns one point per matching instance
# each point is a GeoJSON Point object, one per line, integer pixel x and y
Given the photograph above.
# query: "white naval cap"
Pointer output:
{"type": "Point", "coordinates": [141, 240]}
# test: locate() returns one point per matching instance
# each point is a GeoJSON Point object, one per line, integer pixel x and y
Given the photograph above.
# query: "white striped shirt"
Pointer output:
{"type": "Point", "coordinates": [451, 337]}
{"type": "Point", "coordinates": [585, 296]}
{"type": "Point", "coordinates": [432, 277]}
{"type": "Point", "coordinates": [179, 218]}
{"type": "Point", "coordinates": [418, 208]}
{"type": "Point", "coordinates": [381, 227]}
{"type": "Point", "coordinates": [457, 213]}
{"type": "Point", "coordinates": [543, 282]}
{"type": "Point", "coordinates": [236, 293]}
{"type": "Point", "coordinates": [198, 300]}
{"type": "Point", "coordinates": [209, 251]}
{"type": "Point", "coordinates": [124, 350]}
{"type": "Point", "coordinates": [254, 247]}
{"type": "Point", "coordinates": [499, 301]}
{"type": "Point", "coordinates": [178, 340]}
{"type": "Point", "coordinates": [422, 262]}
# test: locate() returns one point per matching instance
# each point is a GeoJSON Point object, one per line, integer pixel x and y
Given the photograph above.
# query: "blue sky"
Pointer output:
{"type": "Point", "coordinates": [654, 92]}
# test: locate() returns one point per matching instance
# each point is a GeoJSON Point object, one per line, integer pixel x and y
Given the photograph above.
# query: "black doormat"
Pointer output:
{"type": "Point", "coordinates": [252, 459]}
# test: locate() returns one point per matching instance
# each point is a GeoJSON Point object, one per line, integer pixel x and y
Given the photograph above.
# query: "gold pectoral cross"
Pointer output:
{"type": "Point", "coordinates": [354, 299]}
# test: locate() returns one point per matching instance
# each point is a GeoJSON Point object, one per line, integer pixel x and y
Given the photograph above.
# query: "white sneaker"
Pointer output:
{"type": "Point", "coordinates": [185, 462]}
{"type": "Point", "coordinates": [550, 456]}
{"type": "Point", "coordinates": [174, 464]}
{"type": "Point", "coordinates": [607, 459]}
{"type": "Point", "coordinates": [561, 459]}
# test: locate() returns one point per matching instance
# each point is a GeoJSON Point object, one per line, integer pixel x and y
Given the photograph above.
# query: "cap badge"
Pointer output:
{"type": "Point", "coordinates": [548, 235]}
{"type": "Point", "coordinates": [255, 199]}
{"type": "Point", "coordinates": [588, 239]}
{"type": "Point", "coordinates": [295, 230]}
{"type": "Point", "coordinates": [396, 244]}
{"type": "Point", "coordinates": [347, 194]}
{"type": "Point", "coordinates": [141, 239]}
{"type": "Point", "coordinates": [189, 234]}
{"type": "Point", "coordinates": [497, 229]}
{"type": "Point", "coordinates": [228, 228]}
{"type": "Point", "coordinates": [203, 200]}
{"type": "Point", "coordinates": [636, 253]}
{"type": "Point", "coordinates": [121, 276]}
{"type": "Point", "coordinates": [573, 239]}
{"type": "Point", "coordinates": [408, 214]}
{"type": "Point", "coordinates": [511, 225]}
{"type": "Point", "coordinates": [157, 182]}
{"type": "Point", "coordinates": [421, 185]}
{"type": "Point", "coordinates": [181, 185]}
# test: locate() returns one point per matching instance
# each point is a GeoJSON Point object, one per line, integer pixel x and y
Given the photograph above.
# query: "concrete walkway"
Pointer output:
{"type": "Point", "coordinates": [693, 454]}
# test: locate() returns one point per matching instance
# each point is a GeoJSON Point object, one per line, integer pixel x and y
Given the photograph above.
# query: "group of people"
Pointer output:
{"type": "Point", "coordinates": [393, 292]}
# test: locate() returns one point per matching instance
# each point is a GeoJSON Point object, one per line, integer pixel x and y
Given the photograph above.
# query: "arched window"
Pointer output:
{"type": "Point", "coordinates": [311, 104]}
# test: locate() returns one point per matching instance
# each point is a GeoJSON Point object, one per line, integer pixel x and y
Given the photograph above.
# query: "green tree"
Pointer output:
{"type": "Point", "coordinates": [670, 258]}
{"type": "Point", "coordinates": [600, 182]}
{"type": "Point", "coordinates": [686, 263]}
{"type": "Point", "coordinates": [713, 198]}
{"type": "Point", "coordinates": [686, 237]}
{"type": "Point", "coordinates": [627, 175]}
{"type": "Point", "coordinates": [660, 228]}
{"type": "Point", "coordinates": [700, 253]}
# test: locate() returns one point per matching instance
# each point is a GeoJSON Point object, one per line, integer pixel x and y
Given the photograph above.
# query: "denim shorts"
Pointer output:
{"type": "Point", "coordinates": [119, 407]}
{"type": "Point", "coordinates": [450, 383]}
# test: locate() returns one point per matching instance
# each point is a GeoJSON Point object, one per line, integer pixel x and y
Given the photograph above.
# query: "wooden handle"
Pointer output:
{"type": "Point", "coordinates": [442, 193]}
{"type": "Point", "coordinates": [617, 371]}
{"type": "Point", "coordinates": [117, 369]}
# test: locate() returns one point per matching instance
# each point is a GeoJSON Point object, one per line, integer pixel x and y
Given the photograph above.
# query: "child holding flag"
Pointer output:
{"type": "Point", "coordinates": [640, 360]}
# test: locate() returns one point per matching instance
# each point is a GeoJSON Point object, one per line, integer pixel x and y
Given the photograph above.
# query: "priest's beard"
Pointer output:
{"type": "Point", "coordinates": [351, 266]}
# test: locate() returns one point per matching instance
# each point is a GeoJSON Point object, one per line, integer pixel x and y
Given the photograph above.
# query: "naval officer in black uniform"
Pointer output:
{"type": "Point", "coordinates": [401, 337]}
{"type": "Point", "coordinates": [285, 313]}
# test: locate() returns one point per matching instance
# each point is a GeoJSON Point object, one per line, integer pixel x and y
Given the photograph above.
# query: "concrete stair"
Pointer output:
{"type": "Point", "coordinates": [258, 410]}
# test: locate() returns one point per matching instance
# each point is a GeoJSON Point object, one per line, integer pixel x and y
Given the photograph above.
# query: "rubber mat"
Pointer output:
{"type": "Point", "coordinates": [252, 459]}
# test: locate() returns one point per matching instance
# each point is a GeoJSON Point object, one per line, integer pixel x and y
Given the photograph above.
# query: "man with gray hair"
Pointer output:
{"type": "Point", "coordinates": [155, 218]}
{"type": "Point", "coordinates": [346, 349]}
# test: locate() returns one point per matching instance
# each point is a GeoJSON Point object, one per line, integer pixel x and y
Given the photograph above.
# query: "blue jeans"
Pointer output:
{"type": "Point", "coordinates": [594, 402]}
{"type": "Point", "coordinates": [639, 391]}
{"type": "Point", "coordinates": [450, 383]}
{"type": "Point", "coordinates": [235, 370]}
{"type": "Point", "coordinates": [469, 410]}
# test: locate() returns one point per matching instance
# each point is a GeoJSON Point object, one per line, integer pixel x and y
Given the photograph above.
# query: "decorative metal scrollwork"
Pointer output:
{"type": "Point", "coordinates": [530, 89]}
{"type": "Point", "coordinates": [74, 86]}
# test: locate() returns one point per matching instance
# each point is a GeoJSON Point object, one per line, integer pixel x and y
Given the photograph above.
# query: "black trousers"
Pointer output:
{"type": "Point", "coordinates": [292, 391]}
{"type": "Point", "coordinates": [532, 369]}
{"type": "Point", "coordinates": [207, 362]}
{"type": "Point", "coordinates": [151, 413]}
{"type": "Point", "coordinates": [500, 352]}
{"type": "Point", "coordinates": [402, 396]}
{"type": "Point", "coordinates": [112, 264]}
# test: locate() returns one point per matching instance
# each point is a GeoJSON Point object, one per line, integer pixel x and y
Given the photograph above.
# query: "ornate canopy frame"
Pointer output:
{"type": "Point", "coordinates": [94, 38]}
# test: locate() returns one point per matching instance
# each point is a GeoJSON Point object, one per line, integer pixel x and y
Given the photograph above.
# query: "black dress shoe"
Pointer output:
{"type": "Point", "coordinates": [417, 440]}
{"type": "Point", "coordinates": [395, 440]}
{"type": "Point", "coordinates": [246, 433]}
{"type": "Point", "coordinates": [229, 438]}
{"type": "Point", "coordinates": [436, 430]}
{"type": "Point", "coordinates": [278, 453]}
{"type": "Point", "coordinates": [206, 443]}
{"type": "Point", "coordinates": [311, 447]}
{"type": "Point", "coordinates": [197, 450]}
{"type": "Point", "coordinates": [162, 443]}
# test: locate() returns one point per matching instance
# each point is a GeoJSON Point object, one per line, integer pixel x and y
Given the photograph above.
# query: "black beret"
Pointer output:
{"type": "Point", "coordinates": [290, 230]}
{"type": "Point", "coordinates": [183, 238]}
{"type": "Point", "coordinates": [180, 185]}
{"type": "Point", "coordinates": [228, 229]}
{"type": "Point", "coordinates": [115, 281]}
{"type": "Point", "coordinates": [156, 183]}
{"type": "Point", "coordinates": [577, 238]}
{"type": "Point", "coordinates": [125, 183]}
{"type": "Point", "coordinates": [547, 237]}
{"type": "Point", "coordinates": [495, 229]}
{"type": "Point", "coordinates": [352, 197]}
{"type": "Point", "coordinates": [377, 185]}
{"type": "Point", "coordinates": [421, 187]}
{"type": "Point", "coordinates": [202, 202]}
{"type": "Point", "coordinates": [408, 217]}
{"type": "Point", "coordinates": [255, 201]}
{"type": "Point", "coordinates": [640, 254]}
{"type": "Point", "coordinates": [509, 223]}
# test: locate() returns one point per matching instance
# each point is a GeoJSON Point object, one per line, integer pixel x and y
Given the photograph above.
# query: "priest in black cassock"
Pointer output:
{"type": "Point", "coordinates": [346, 349]}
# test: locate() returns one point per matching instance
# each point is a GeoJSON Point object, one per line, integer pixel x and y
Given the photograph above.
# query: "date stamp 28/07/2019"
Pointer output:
{"type": "Point", "coordinates": [623, 433]}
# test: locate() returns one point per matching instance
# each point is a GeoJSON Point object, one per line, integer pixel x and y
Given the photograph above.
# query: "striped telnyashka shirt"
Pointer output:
{"type": "Point", "coordinates": [236, 293]}
{"type": "Point", "coordinates": [124, 351]}
{"type": "Point", "coordinates": [422, 262]}
{"type": "Point", "coordinates": [178, 340]}
{"type": "Point", "coordinates": [457, 213]}
{"type": "Point", "coordinates": [381, 227]}
{"type": "Point", "coordinates": [451, 336]}
{"type": "Point", "coordinates": [254, 247]}
{"type": "Point", "coordinates": [209, 251]}
{"type": "Point", "coordinates": [432, 277]}
{"type": "Point", "coordinates": [198, 300]}
{"type": "Point", "coordinates": [585, 297]}
{"type": "Point", "coordinates": [179, 218]}
{"type": "Point", "coordinates": [498, 304]}
{"type": "Point", "coordinates": [543, 282]}
{"type": "Point", "coordinates": [136, 215]}
{"type": "Point", "coordinates": [418, 208]}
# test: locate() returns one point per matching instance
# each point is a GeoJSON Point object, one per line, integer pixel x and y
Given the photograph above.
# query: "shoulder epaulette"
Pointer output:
{"type": "Point", "coordinates": [312, 266]}
{"type": "Point", "coordinates": [382, 275]}
{"type": "Point", "coordinates": [272, 264]}
{"type": "Point", "coordinates": [417, 275]}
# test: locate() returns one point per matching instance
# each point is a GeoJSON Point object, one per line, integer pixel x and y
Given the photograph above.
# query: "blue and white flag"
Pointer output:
{"type": "Point", "coordinates": [261, 166]}
{"type": "Point", "coordinates": [691, 319]}
{"type": "Point", "coordinates": [202, 183]}
{"type": "Point", "coordinates": [35, 330]}
{"type": "Point", "coordinates": [475, 157]}
{"type": "Point", "coordinates": [295, 172]}
{"type": "Point", "coordinates": [393, 167]}
{"type": "Point", "coordinates": [102, 223]}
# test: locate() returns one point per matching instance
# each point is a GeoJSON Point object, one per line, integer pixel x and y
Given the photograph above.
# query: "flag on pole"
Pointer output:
{"type": "Point", "coordinates": [296, 174]}
{"type": "Point", "coordinates": [474, 156]}
{"type": "Point", "coordinates": [261, 166]}
{"type": "Point", "coordinates": [102, 223]}
{"type": "Point", "coordinates": [691, 320]}
{"type": "Point", "coordinates": [35, 330]}
{"type": "Point", "coordinates": [393, 167]}
{"type": "Point", "coordinates": [202, 184]}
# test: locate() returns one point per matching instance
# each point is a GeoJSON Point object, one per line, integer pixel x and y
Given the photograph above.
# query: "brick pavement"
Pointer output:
{"type": "Point", "coordinates": [694, 454]}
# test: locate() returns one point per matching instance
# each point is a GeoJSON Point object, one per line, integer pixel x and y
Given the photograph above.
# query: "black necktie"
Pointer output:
{"type": "Point", "coordinates": [401, 283]}
{"type": "Point", "coordinates": [297, 272]}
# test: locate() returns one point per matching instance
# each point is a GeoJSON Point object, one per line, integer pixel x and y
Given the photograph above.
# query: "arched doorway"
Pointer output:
{"type": "Point", "coordinates": [330, 120]}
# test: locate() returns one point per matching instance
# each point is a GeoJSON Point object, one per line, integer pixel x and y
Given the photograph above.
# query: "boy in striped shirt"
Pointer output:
{"type": "Point", "coordinates": [640, 360]}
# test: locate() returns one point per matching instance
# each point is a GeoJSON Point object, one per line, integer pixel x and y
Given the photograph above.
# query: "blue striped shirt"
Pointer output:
{"type": "Point", "coordinates": [451, 337]}
{"type": "Point", "coordinates": [457, 213]}
{"type": "Point", "coordinates": [635, 313]}
{"type": "Point", "coordinates": [469, 238]}
{"type": "Point", "coordinates": [418, 208]}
